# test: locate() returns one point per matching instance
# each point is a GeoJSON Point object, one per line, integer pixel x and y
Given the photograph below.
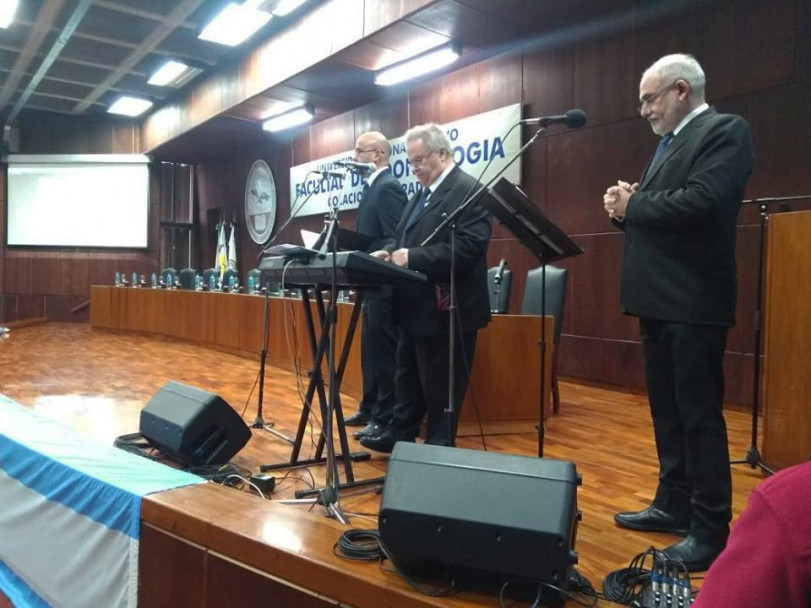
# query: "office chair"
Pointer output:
{"type": "Point", "coordinates": [556, 279]}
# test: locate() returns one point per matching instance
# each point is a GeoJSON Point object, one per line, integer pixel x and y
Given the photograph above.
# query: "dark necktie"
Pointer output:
{"type": "Point", "coordinates": [421, 202]}
{"type": "Point", "coordinates": [660, 149]}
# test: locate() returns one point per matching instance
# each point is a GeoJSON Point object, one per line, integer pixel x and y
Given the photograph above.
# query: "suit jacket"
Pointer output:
{"type": "Point", "coordinates": [679, 260]}
{"type": "Point", "coordinates": [380, 209]}
{"type": "Point", "coordinates": [416, 306]}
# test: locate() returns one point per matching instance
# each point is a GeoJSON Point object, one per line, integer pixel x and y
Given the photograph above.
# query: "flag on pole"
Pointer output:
{"type": "Point", "coordinates": [232, 250]}
{"type": "Point", "coordinates": [221, 261]}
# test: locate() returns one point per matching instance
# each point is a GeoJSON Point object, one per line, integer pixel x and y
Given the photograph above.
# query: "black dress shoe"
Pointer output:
{"type": "Point", "coordinates": [653, 520]}
{"type": "Point", "coordinates": [370, 430]}
{"type": "Point", "coordinates": [358, 419]}
{"type": "Point", "coordinates": [380, 443]}
{"type": "Point", "coordinates": [696, 554]}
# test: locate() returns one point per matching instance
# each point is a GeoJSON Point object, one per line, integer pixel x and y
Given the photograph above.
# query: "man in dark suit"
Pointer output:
{"type": "Point", "coordinates": [678, 277]}
{"type": "Point", "coordinates": [421, 311]}
{"type": "Point", "coordinates": [379, 212]}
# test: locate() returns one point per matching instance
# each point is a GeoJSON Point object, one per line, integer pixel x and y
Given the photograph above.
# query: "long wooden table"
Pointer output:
{"type": "Point", "coordinates": [505, 382]}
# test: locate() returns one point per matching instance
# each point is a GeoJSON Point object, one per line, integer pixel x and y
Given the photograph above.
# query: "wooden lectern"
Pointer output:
{"type": "Point", "coordinates": [787, 365]}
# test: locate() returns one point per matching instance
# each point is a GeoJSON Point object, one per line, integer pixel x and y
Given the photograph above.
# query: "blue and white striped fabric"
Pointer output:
{"type": "Point", "coordinates": [70, 513]}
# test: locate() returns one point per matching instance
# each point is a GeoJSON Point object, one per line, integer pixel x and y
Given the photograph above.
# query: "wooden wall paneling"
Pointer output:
{"type": "Point", "coordinates": [755, 37]}
{"type": "Point", "coordinates": [459, 22]}
{"type": "Point", "coordinates": [389, 116]}
{"type": "Point", "coordinates": [623, 363]}
{"type": "Point", "coordinates": [9, 312]}
{"type": "Point", "coordinates": [595, 277]}
{"type": "Point", "coordinates": [334, 135]}
{"type": "Point", "coordinates": [500, 81]}
{"type": "Point", "coordinates": [781, 133]}
{"type": "Point", "coordinates": [171, 572]}
{"type": "Point", "coordinates": [230, 585]}
{"type": "Point", "coordinates": [59, 308]}
{"type": "Point", "coordinates": [738, 377]}
{"type": "Point", "coordinates": [101, 268]}
{"type": "Point", "coordinates": [582, 164]}
{"type": "Point", "coordinates": [17, 272]}
{"type": "Point", "coordinates": [45, 273]}
{"type": "Point", "coordinates": [672, 28]}
{"type": "Point", "coordinates": [803, 55]}
{"type": "Point", "coordinates": [535, 174]}
{"type": "Point", "coordinates": [581, 357]}
{"type": "Point", "coordinates": [741, 336]}
{"type": "Point", "coordinates": [377, 15]}
{"type": "Point", "coordinates": [30, 307]}
{"type": "Point", "coordinates": [605, 84]}
{"type": "Point", "coordinates": [547, 82]}
{"type": "Point", "coordinates": [74, 274]}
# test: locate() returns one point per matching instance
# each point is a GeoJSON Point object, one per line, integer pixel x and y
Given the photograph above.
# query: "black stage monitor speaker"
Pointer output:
{"type": "Point", "coordinates": [507, 515]}
{"type": "Point", "coordinates": [193, 426]}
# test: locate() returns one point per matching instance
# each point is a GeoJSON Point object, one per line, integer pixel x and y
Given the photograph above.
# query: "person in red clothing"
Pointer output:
{"type": "Point", "coordinates": [767, 560]}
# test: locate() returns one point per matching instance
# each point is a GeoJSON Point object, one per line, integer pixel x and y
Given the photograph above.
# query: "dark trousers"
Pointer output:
{"type": "Point", "coordinates": [378, 352]}
{"type": "Point", "coordinates": [685, 378]}
{"type": "Point", "coordinates": [421, 383]}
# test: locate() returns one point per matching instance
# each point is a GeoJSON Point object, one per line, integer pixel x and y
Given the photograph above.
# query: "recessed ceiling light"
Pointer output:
{"type": "Point", "coordinates": [423, 63]}
{"type": "Point", "coordinates": [130, 106]}
{"type": "Point", "coordinates": [173, 73]}
{"type": "Point", "coordinates": [7, 10]}
{"type": "Point", "coordinates": [291, 118]}
{"type": "Point", "coordinates": [234, 24]}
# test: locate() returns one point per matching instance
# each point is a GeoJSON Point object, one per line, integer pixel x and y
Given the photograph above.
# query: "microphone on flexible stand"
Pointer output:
{"type": "Point", "coordinates": [327, 173]}
{"type": "Point", "coordinates": [500, 272]}
{"type": "Point", "coordinates": [573, 119]}
{"type": "Point", "coordinates": [357, 167]}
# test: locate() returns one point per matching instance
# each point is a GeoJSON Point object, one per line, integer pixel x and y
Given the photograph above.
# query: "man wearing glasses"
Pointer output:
{"type": "Point", "coordinates": [422, 380]}
{"type": "Point", "coordinates": [678, 277]}
{"type": "Point", "coordinates": [380, 208]}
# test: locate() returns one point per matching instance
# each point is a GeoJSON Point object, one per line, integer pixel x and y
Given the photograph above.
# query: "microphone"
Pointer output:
{"type": "Point", "coordinates": [359, 167]}
{"type": "Point", "coordinates": [327, 173]}
{"type": "Point", "coordinates": [500, 271]}
{"type": "Point", "coordinates": [573, 119]}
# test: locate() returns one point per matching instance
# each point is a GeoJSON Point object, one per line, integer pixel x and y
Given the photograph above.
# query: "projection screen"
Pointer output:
{"type": "Point", "coordinates": [96, 200]}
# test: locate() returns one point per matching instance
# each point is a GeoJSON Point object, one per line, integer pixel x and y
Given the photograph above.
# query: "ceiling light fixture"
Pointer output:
{"type": "Point", "coordinates": [130, 106]}
{"type": "Point", "coordinates": [174, 74]}
{"type": "Point", "coordinates": [424, 63]}
{"type": "Point", "coordinates": [291, 118]}
{"type": "Point", "coordinates": [7, 10]}
{"type": "Point", "coordinates": [234, 24]}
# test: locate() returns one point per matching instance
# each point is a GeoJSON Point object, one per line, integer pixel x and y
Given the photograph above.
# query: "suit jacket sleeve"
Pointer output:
{"type": "Point", "coordinates": [390, 207]}
{"type": "Point", "coordinates": [721, 163]}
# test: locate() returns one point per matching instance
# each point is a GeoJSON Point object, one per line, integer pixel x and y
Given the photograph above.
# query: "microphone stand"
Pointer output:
{"type": "Point", "coordinates": [753, 457]}
{"type": "Point", "coordinates": [450, 222]}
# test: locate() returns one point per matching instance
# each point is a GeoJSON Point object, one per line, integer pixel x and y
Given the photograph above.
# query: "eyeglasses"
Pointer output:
{"type": "Point", "coordinates": [361, 151]}
{"type": "Point", "coordinates": [647, 100]}
{"type": "Point", "coordinates": [419, 159]}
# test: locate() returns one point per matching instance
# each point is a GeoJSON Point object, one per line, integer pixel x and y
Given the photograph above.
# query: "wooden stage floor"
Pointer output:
{"type": "Point", "coordinates": [98, 381]}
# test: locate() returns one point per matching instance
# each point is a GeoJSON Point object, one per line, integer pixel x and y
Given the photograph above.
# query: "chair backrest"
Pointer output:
{"type": "Point", "coordinates": [207, 274]}
{"type": "Point", "coordinates": [499, 292]}
{"type": "Point", "coordinates": [556, 279]}
{"type": "Point", "coordinates": [168, 276]}
{"type": "Point", "coordinates": [187, 276]}
{"type": "Point", "coordinates": [227, 276]}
